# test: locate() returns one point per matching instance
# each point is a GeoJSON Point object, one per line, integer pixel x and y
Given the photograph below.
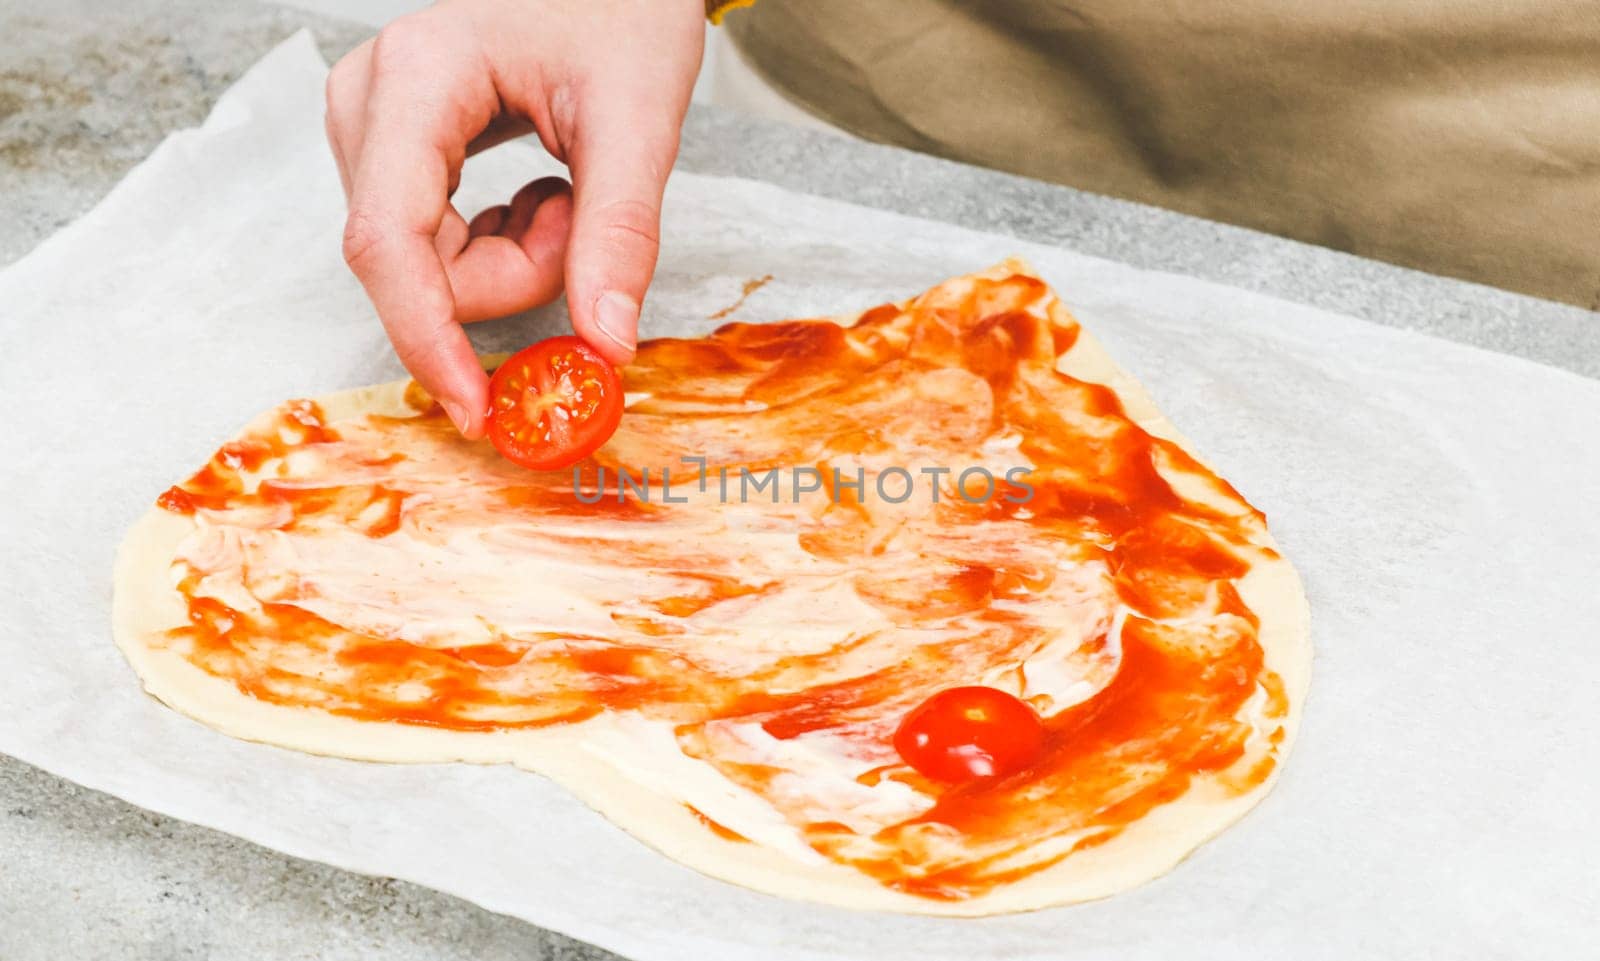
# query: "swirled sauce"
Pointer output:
{"type": "Point", "coordinates": [383, 569]}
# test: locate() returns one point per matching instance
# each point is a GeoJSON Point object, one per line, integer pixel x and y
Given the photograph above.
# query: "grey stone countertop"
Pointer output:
{"type": "Point", "coordinates": [88, 89]}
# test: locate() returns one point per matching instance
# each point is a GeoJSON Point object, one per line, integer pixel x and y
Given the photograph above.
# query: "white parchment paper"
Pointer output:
{"type": "Point", "coordinates": [1441, 503]}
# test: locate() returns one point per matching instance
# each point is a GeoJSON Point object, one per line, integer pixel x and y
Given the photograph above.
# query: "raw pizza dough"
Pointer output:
{"type": "Point", "coordinates": [630, 770]}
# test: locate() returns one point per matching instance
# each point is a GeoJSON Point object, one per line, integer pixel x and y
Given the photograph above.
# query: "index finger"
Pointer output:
{"type": "Point", "coordinates": [417, 126]}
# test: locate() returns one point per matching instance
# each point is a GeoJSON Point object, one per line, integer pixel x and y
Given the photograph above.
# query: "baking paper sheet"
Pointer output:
{"type": "Point", "coordinates": [1441, 503]}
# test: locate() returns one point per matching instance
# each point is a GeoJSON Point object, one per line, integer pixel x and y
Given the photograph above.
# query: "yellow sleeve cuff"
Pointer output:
{"type": "Point", "coordinates": [716, 9]}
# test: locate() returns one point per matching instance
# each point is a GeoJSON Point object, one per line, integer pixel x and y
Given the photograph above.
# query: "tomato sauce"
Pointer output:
{"type": "Point", "coordinates": [721, 831]}
{"type": "Point", "coordinates": [946, 593]}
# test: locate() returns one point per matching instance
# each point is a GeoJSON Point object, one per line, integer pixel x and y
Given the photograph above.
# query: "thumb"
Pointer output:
{"type": "Point", "coordinates": [619, 169]}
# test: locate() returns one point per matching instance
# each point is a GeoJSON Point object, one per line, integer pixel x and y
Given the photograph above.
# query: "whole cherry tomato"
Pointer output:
{"type": "Point", "coordinates": [966, 733]}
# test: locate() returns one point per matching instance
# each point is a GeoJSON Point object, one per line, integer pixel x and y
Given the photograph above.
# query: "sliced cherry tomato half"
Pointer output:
{"type": "Point", "coordinates": [967, 733]}
{"type": "Point", "coordinates": [553, 404]}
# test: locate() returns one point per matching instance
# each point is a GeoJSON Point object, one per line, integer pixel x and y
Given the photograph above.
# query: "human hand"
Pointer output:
{"type": "Point", "coordinates": [605, 85]}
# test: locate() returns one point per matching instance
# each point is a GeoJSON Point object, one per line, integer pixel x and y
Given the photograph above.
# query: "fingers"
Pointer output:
{"type": "Point", "coordinates": [423, 105]}
{"type": "Point", "coordinates": [624, 151]}
{"type": "Point", "coordinates": [407, 285]}
{"type": "Point", "coordinates": [488, 221]}
{"type": "Point", "coordinates": [344, 118]}
{"type": "Point", "coordinates": [605, 86]}
{"type": "Point", "coordinates": [619, 124]}
{"type": "Point", "coordinates": [513, 256]}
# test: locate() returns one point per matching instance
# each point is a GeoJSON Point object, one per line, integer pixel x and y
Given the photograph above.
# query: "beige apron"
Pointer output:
{"type": "Point", "coordinates": [1457, 136]}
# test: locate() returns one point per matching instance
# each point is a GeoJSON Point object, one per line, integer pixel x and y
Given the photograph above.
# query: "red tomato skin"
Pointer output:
{"type": "Point", "coordinates": [590, 433]}
{"type": "Point", "coordinates": [970, 733]}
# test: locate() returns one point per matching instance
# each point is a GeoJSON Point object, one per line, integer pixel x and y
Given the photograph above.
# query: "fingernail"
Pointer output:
{"type": "Point", "coordinates": [457, 414]}
{"type": "Point", "coordinates": [617, 316]}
